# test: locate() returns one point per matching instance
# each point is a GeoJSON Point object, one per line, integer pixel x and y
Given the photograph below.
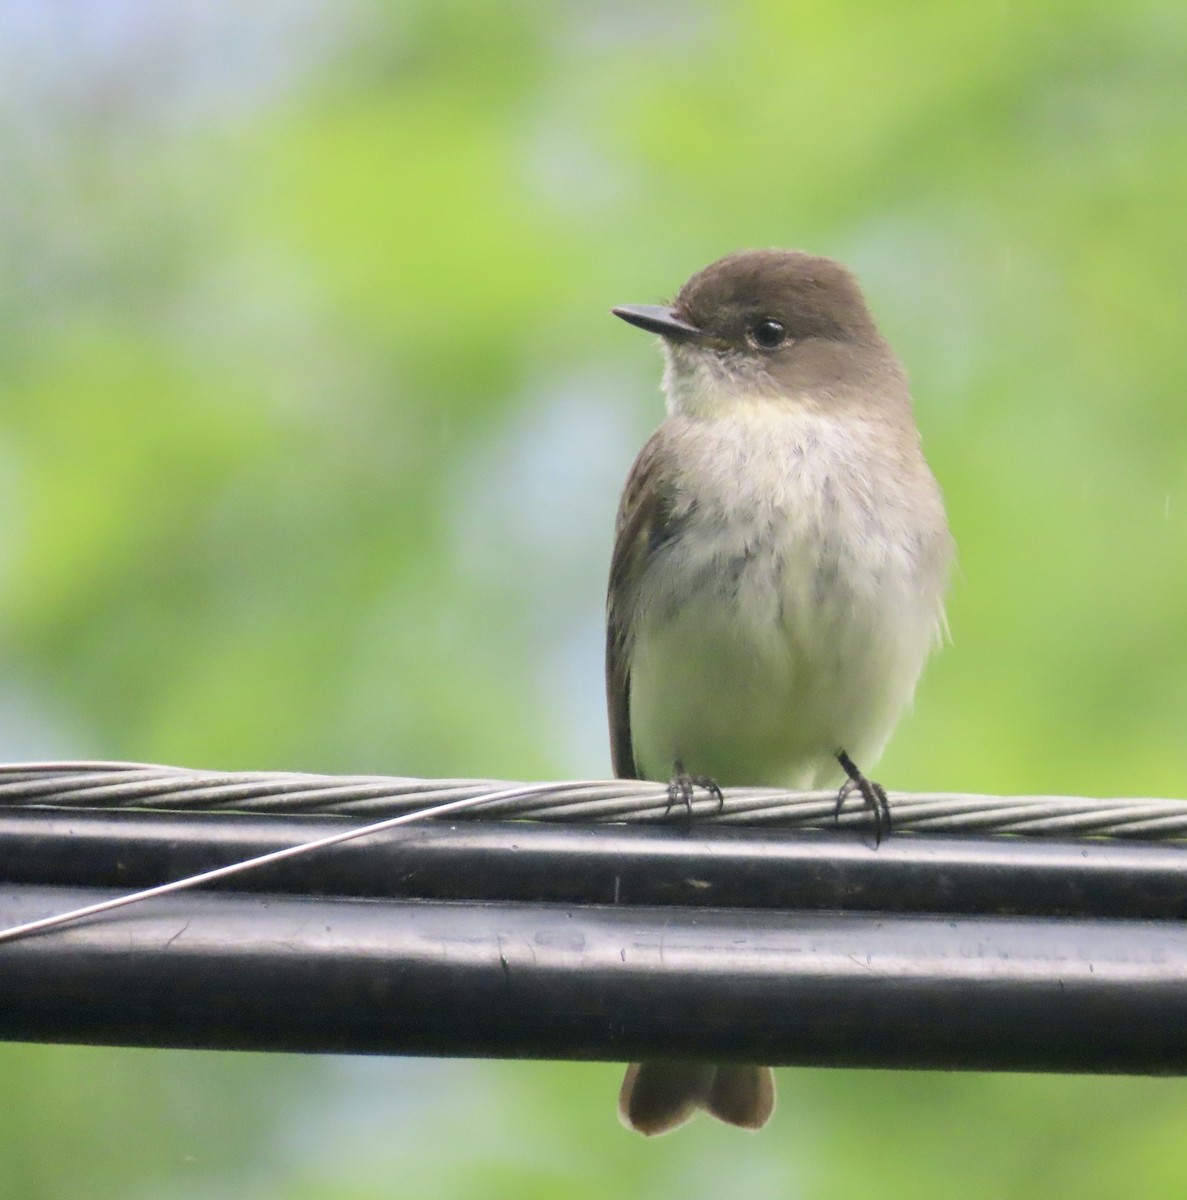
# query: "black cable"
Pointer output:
{"type": "Point", "coordinates": [671, 863]}
{"type": "Point", "coordinates": [601, 982]}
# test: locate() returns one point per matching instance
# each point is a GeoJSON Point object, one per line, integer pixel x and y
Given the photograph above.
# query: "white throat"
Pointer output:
{"type": "Point", "coordinates": [698, 383]}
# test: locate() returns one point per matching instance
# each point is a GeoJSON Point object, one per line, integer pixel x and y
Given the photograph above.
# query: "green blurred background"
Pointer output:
{"type": "Point", "coordinates": [313, 420]}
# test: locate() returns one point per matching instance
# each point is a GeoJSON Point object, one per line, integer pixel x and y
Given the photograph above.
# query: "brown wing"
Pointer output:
{"type": "Point", "coordinates": [643, 515]}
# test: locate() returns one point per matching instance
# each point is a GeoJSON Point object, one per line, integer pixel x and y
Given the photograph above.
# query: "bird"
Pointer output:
{"type": "Point", "coordinates": [777, 582]}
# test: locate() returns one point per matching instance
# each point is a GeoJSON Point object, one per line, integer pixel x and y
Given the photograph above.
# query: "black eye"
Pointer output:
{"type": "Point", "coordinates": [767, 333]}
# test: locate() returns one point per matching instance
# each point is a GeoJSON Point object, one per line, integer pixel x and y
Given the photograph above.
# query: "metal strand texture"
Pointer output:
{"type": "Point", "coordinates": [132, 786]}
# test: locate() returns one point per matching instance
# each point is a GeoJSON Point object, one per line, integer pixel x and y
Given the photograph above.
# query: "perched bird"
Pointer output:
{"type": "Point", "coordinates": [780, 561]}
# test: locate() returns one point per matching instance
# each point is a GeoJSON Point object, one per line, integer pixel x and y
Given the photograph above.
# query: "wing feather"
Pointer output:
{"type": "Point", "coordinates": [644, 522]}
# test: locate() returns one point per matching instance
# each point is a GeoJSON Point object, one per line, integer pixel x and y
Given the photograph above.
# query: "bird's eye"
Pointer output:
{"type": "Point", "coordinates": [767, 333]}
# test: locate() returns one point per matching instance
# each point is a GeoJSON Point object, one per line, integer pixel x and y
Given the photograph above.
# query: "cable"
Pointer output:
{"type": "Point", "coordinates": [529, 920]}
{"type": "Point", "coordinates": [111, 785]}
{"type": "Point", "coordinates": [316, 974]}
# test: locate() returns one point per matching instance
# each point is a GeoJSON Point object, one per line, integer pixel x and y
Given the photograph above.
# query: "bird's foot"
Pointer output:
{"type": "Point", "coordinates": [873, 794]}
{"type": "Point", "coordinates": [682, 787]}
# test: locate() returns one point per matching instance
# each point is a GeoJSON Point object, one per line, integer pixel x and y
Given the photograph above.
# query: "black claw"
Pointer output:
{"type": "Point", "coordinates": [873, 794]}
{"type": "Point", "coordinates": [682, 786]}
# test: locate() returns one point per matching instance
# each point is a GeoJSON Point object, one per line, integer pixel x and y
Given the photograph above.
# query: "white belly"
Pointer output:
{"type": "Point", "coordinates": [785, 623]}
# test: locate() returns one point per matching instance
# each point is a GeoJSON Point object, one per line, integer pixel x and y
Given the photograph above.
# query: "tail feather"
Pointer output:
{"type": "Point", "coordinates": [743, 1096]}
{"type": "Point", "coordinates": [659, 1097]}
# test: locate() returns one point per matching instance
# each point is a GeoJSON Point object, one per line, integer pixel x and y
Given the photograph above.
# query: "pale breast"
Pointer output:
{"type": "Point", "coordinates": [792, 614]}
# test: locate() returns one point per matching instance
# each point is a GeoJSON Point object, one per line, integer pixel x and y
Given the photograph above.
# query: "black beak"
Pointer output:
{"type": "Point", "coordinates": [655, 318]}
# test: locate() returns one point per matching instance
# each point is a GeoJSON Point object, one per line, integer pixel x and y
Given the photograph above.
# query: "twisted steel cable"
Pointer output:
{"type": "Point", "coordinates": [119, 785]}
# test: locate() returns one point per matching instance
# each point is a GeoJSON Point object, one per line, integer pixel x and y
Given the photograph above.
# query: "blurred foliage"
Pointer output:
{"type": "Point", "coordinates": [312, 430]}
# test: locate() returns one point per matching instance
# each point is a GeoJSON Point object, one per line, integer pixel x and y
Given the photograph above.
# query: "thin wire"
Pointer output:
{"type": "Point", "coordinates": [13, 932]}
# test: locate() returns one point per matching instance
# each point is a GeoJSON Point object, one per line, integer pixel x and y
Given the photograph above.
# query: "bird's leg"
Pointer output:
{"type": "Point", "coordinates": [682, 785]}
{"type": "Point", "coordinates": [874, 795]}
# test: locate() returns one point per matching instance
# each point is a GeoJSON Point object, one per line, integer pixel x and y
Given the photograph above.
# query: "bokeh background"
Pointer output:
{"type": "Point", "coordinates": [313, 420]}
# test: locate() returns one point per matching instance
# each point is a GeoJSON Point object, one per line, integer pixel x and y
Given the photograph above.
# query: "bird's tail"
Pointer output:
{"type": "Point", "coordinates": [659, 1097]}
